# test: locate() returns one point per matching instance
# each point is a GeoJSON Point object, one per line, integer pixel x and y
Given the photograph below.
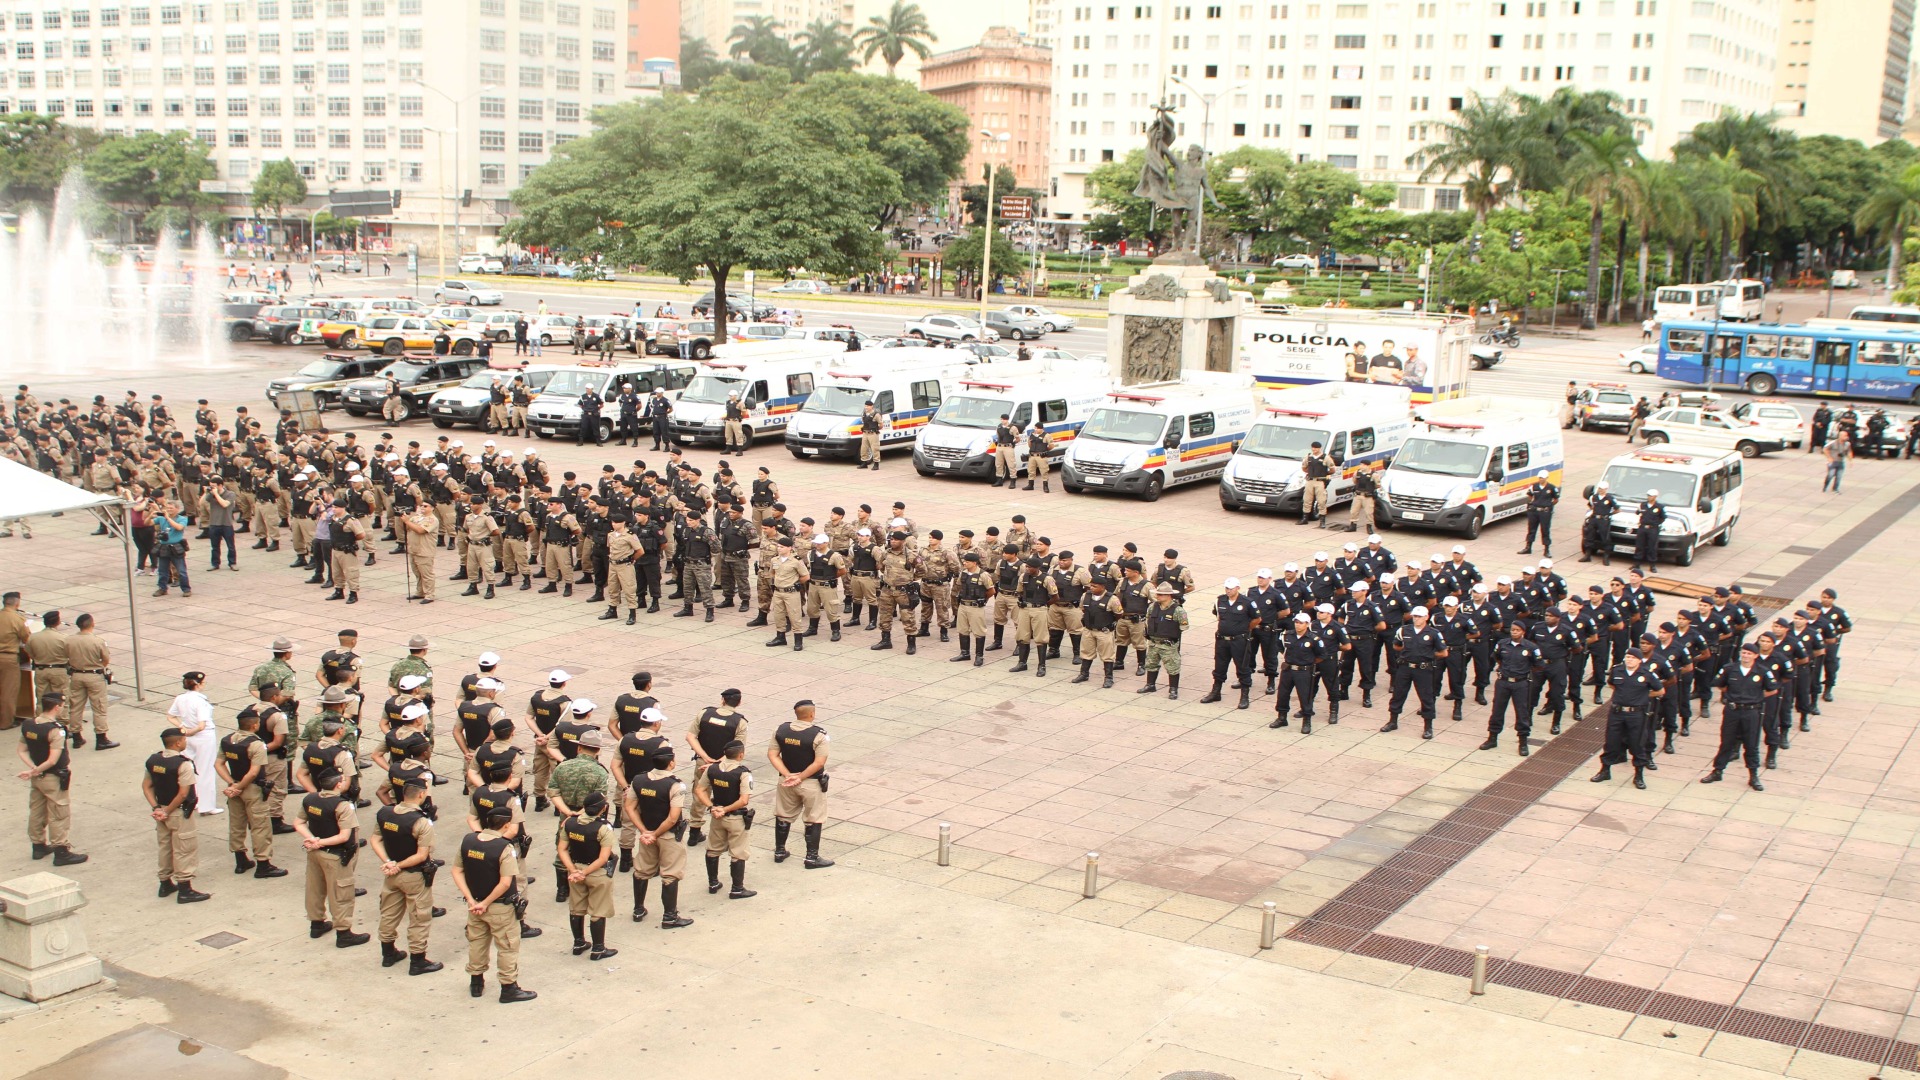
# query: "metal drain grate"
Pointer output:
{"type": "Point", "coordinates": [223, 939]}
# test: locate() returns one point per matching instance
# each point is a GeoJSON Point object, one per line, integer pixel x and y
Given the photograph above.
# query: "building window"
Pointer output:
{"type": "Point", "coordinates": [493, 140]}
{"type": "Point", "coordinates": [1446, 199]}
{"type": "Point", "coordinates": [412, 139]}
{"type": "Point", "coordinates": [533, 78]}
{"type": "Point", "coordinates": [566, 112]}
{"type": "Point", "coordinates": [1413, 198]}
{"type": "Point", "coordinates": [237, 76]}
{"type": "Point", "coordinates": [236, 138]}
{"type": "Point", "coordinates": [566, 80]}
{"type": "Point", "coordinates": [492, 173]}
{"type": "Point", "coordinates": [340, 139]}
{"type": "Point", "coordinates": [532, 142]}
{"type": "Point", "coordinates": [374, 138]}
{"type": "Point", "coordinates": [373, 106]}
{"type": "Point", "coordinates": [1343, 161]}
{"type": "Point", "coordinates": [493, 108]}
{"type": "Point", "coordinates": [493, 74]}
{"type": "Point", "coordinates": [533, 10]}
{"type": "Point", "coordinates": [1349, 41]}
{"type": "Point", "coordinates": [375, 38]}
{"type": "Point", "coordinates": [339, 171]}
{"type": "Point", "coordinates": [339, 41]}
{"type": "Point", "coordinates": [339, 74]}
{"type": "Point", "coordinates": [533, 45]}
{"type": "Point", "coordinates": [375, 72]}
{"type": "Point", "coordinates": [270, 140]}
{"type": "Point", "coordinates": [566, 14]}
{"type": "Point", "coordinates": [412, 38]}
{"type": "Point", "coordinates": [410, 172]}
{"type": "Point", "coordinates": [339, 106]}
{"type": "Point", "coordinates": [565, 48]}
{"type": "Point", "coordinates": [493, 40]}
{"type": "Point", "coordinates": [303, 140]}
{"type": "Point", "coordinates": [603, 50]}
{"type": "Point", "coordinates": [533, 110]}
{"type": "Point", "coordinates": [203, 107]}
{"type": "Point", "coordinates": [237, 106]}
{"type": "Point", "coordinates": [236, 43]}
{"type": "Point", "coordinates": [412, 106]}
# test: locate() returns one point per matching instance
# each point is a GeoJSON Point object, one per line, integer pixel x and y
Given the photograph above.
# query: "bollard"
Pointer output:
{"type": "Point", "coordinates": [1479, 970]}
{"type": "Point", "coordinates": [1092, 884]}
{"type": "Point", "coordinates": [946, 842]}
{"type": "Point", "coordinates": [1269, 922]}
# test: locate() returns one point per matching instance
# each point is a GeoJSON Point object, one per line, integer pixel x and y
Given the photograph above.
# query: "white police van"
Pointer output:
{"type": "Point", "coordinates": [1358, 424]}
{"type": "Point", "coordinates": [1469, 461]}
{"type": "Point", "coordinates": [905, 386]}
{"type": "Point", "coordinates": [556, 411]}
{"type": "Point", "coordinates": [773, 380]}
{"type": "Point", "coordinates": [958, 441]}
{"type": "Point", "coordinates": [1699, 485]}
{"type": "Point", "coordinates": [1151, 437]}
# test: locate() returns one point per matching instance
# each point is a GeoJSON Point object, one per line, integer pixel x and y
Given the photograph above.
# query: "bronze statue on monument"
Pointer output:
{"type": "Point", "coordinates": [1177, 184]}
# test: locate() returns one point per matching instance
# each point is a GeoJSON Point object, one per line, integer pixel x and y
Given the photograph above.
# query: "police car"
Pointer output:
{"type": "Point", "coordinates": [1603, 405]}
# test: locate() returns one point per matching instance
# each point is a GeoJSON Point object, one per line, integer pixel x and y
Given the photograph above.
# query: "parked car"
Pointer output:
{"type": "Point", "coordinates": [737, 307]}
{"type": "Point", "coordinates": [289, 324]}
{"type": "Point", "coordinates": [1603, 405]}
{"type": "Point", "coordinates": [240, 321]}
{"type": "Point", "coordinates": [396, 334]}
{"type": "Point", "coordinates": [1296, 262]}
{"type": "Point", "coordinates": [342, 264]}
{"type": "Point", "coordinates": [803, 286]}
{"type": "Point", "coordinates": [326, 376]}
{"type": "Point", "coordinates": [1019, 327]}
{"type": "Point", "coordinates": [949, 328]}
{"type": "Point", "coordinates": [497, 325]}
{"type": "Point", "coordinates": [482, 264]}
{"type": "Point", "coordinates": [1709, 427]}
{"type": "Point", "coordinates": [455, 291]}
{"type": "Point", "coordinates": [1484, 357]}
{"type": "Point", "coordinates": [467, 403]}
{"type": "Point", "coordinates": [1777, 416]}
{"type": "Point", "coordinates": [420, 378]}
{"type": "Point", "coordinates": [1049, 320]}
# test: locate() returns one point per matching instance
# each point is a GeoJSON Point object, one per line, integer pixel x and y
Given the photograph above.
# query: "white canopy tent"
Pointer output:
{"type": "Point", "coordinates": [25, 493]}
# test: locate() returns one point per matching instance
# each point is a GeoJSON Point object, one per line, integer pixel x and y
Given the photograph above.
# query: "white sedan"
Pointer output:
{"type": "Point", "coordinates": [1296, 262]}
{"type": "Point", "coordinates": [467, 292]}
{"type": "Point", "coordinates": [1691, 426]}
{"type": "Point", "coordinates": [804, 287]}
{"type": "Point", "coordinates": [1641, 359]}
{"type": "Point", "coordinates": [1049, 320]}
{"type": "Point", "coordinates": [1776, 416]}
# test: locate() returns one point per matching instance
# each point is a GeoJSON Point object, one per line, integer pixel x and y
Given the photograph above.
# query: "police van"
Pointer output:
{"type": "Point", "coordinates": [905, 386]}
{"type": "Point", "coordinates": [958, 441]}
{"type": "Point", "coordinates": [773, 380]}
{"type": "Point", "coordinates": [1468, 463]}
{"type": "Point", "coordinates": [1147, 438]}
{"type": "Point", "coordinates": [1699, 486]}
{"type": "Point", "coordinates": [557, 410]}
{"type": "Point", "coordinates": [1357, 424]}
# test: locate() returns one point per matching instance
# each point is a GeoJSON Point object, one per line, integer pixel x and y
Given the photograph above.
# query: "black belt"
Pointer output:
{"type": "Point", "coordinates": [1629, 708]}
{"type": "Point", "coordinates": [1422, 665]}
{"type": "Point", "coordinates": [1744, 705]}
{"type": "Point", "coordinates": [862, 573]}
{"type": "Point", "coordinates": [1024, 604]}
{"type": "Point", "coordinates": [45, 667]}
{"type": "Point", "coordinates": [786, 588]}
{"type": "Point", "coordinates": [1228, 637]}
{"type": "Point", "coordinates": [1300, 667]}
{"type": "Point", "coordinates": [942, 581]}
{"type": "Point", "coordinates": [972, 603]}
{"type": "Point", "coordinates": [1516, 678]}
{"type": "Point", "coordinates": [86, 671]}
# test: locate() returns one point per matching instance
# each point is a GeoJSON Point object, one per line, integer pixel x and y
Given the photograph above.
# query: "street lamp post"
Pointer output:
{"type": "Point", "coordinates": [1206, 123]}
{"type": "Point", "coordinates": [440, 252]}
{"type": "Point", "coordinates": [1554, 322]}
{"type": "Point", "coordinates": [986, 237]}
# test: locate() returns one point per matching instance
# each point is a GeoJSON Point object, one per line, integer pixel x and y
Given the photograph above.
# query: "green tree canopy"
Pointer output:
{"type": "Point", "coordinates": [823, 46]}
{"type": "Point", "coordinates": [160, 172]}
{"type": "Point", "coordinates": [36, 153]}
{"type": "Point", "coordinates": [922, 139]}
{"type": "Point", "coordinates": [964, 254]}
{"type": "Point", "coordinates": [278, 186]}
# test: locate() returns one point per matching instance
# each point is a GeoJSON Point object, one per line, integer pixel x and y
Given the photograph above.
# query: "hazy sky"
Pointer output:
{"type": "Point", "coordinates": [957, 24]}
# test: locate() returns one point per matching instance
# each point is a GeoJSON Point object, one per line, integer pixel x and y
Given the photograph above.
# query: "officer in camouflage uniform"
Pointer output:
{"type": "Point", "coordinates": [1166, 621]}
{"type": "Point", "coordinates": [276, 672]}
{"type": "Point", "coordinates": [899, 569]}
{"type": "Point", "coordinates": [414, 663]}
{"type": "Point", "coordinates": [736, 535]}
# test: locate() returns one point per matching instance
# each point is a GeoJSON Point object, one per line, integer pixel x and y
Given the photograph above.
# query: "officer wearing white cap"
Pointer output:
{"type": "Point", "coordinates": [1335, 645]}
{"type": "Point", "coordinates": [1235, 619]}
{"type": "Point", "coordinates": [1646, 530]}
{"type": "Point", "coordinates": [1365, 621]}
{"type": "Point", "coordinates": [1301, 651]}
{"type": "Point", "coordinates": [1269, 601]}
{"type": "Point", "coordinates": [1421, 650]}
{"type": "Point", "coordinates": [1542, 496]}
{"type": "Point", "coordinates": [1596, 532]}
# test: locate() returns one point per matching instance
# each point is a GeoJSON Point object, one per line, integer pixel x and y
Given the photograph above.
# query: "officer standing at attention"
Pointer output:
{"type": "Point", "coordinates": [1541, 497]}
{"type": "Point", "coordinates": [659, 411]}
{"type": "Point", "coordinates": [973, 590]}
{"type": "Point", "coordinates": [711, 731]}
{"type": "Point", "coordinates": [487, 873]}
{"type": "Point", "coordinates": [1517, 662]}
{"type": "Point", "coordinates": [1313, 499]}
{"type": "Point", "coordinates": [1558, 641]}
{"type": "Point", "coordinates": [1634, 691]}
{"type": "Point", "coordinates": [1646, 530]}
{"type": "Point", "coordinates": [590, 406]}
{"type": "Point", "coordinates": [656, 804]}
{"type": "Point", "coordinates": [48, 773]}
{"type": "Point", "coordinates": [899, 568]}
{"type": "Point", "coordinates": [1038, 444]}
{"type": "Point", "coordinates": [789, 581]}
{"type": "Point", "coordinates": [578, 778]}
{"type": "Point", "coordinates": [1745, 687]}
{"type": "Point", "coordinates": [622, 549]}
{"type": "Point", "coordinates": [1005, 437]}
{"type": "Point", "coordinates": [825, 568]}
{"type": "Point", "coordinates": [1596, 533]}
{"type": "Point", "coordinates": [403, 842]}
{"type": "Point", "coordinates": [168, 787]}
{"type": "Point", "coordinates": [1420, 649]}
{"type": "Point", "coordinates": [1235, 618]}
{"type": "Point", "coordinates": [586, 861]}
{"type": "Point", "coordinates": [696, 547]}
{"type": "Point", "coordinates": [629, 401]}
{"type": "Point", "coordinates": [1301, 651]}
{"type": "Point", "coordinates": [1099, 610]}
{"type": "Point", "coordinates": [799, 753]}
{"type": "Point", "coordinates": [869, 438]}
{"type": "Point", "coordinates": [725, 791]}
{"type": "Point", "coordinates": [242, 766]}
{"type": "Point", "coordinates": [1166, 620]}
{"type": "Point", "coordinates": [478, 530]}
{"type": "Point", "coordinates": [735, 427]}
{"type": "Point", "coordinates": [330, 831]}
{"type": "Point", "coordinates": [47, 650]}
{"type": "Point", "coordinates": [1034, 594]}
{"type": "Point", "coordinates": [1365, 621]}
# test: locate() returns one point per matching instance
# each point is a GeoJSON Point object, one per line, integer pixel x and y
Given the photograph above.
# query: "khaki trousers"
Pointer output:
{"type": "Point", "coordinates": [330, 886]}
{"type": "Point", "coordinates": [1005, 463]}
{"type": "Point", "coordinates": [592, 897]}
{"type": "Point", "coordinates": [728, 834]}
{"type": "Point", "coordinates": [1314, 499]}
{"type": "Point", "coordinates": [1031, 626]}
{"type": "Point", "coordinates": [513, 558]}
{"type": "Point", "coordinates": [823, 599]}
{"type": "Point", "coordinates": [406, 893]}
{"type": "Point", "coordinates": [622, 588]}
{"type": "Point", "coordinates": [554, 558]}
{"type": "Point", "coordinates": [973, 620]}
{"type": "Point", "coordinates": [266, 522]}
{"type": "Point", "coordinates": [542, 770]}
{"type": "Point", "coordinates": [786, 611]}
{"type": "Point", "coordinates": [476, 563]}
{"type": "Point", "coordinates": [804, 800]}
{"type": "Point", "coordinates": [179, 838]}
{"type": "Point", "coordinates": [54, 680]}
{"type": "Point", "coordinates": [1097, 645]}
{"type": "Point", "coordinates": [420, 559]}
{"type": "Point", "coordinates": [500, 930]}
{"type": "Point", "coordinates": [869, 446]}
{"type": "Point", "coordinates": [346, 571]}
{"type": "Point", "coordinates": [87, 692]}
{"type": "Point", "coordinates": [49, 811]}
{"type": "Point", "coordinates": [665, 858]}
{"type": "Point", "coordinates": [247, 819]}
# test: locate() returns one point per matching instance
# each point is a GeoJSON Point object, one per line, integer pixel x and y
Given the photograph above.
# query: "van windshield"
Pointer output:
{"type": "Point", "coordinates": [1441, 458]}
{"type": "Point", "coordinates": [1281, 441]}
{"type": "Point", "coordinates": [1124, 425]}
{"type": "Point", "coordinates": [971, 412]}
{"type": "Point", "coordinates": [713, 389]}
{"type": "Point", "coordinates": [574, 383]}
{"type": "Point", "coordinates": [838, 400]}
{"type": "Point", "coordinates": [1630, 484]}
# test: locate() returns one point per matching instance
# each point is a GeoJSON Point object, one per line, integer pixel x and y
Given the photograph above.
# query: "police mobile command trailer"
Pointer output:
{"type": "Point", "coordinates": [1699, 486]}
{"type": "Point", "coordinates": [1426, 353]}
{"type": "Point", "coordinates": [905, 386]}
{"type": "Point", "coordinates": [1358, 425]}
{"type": "Point", "coordinates": [1147, 438]}
{"type": "Point", "coordinates": [958, 441]}
{"type": "Point", "coordinates": [1468, 463]}
{"type": "Point", "coordinates": [773, 379]}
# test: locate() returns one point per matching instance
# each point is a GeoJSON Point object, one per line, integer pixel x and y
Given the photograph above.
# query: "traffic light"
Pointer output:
{"type": "Point", "coordinates": [1474, 245]}
{"type": "Point", "coordinates": [1806, 253]}
{"type": "Point", "coordinates": [1517, 241]}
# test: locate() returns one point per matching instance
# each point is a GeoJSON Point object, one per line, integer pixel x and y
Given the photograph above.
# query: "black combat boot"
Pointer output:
{"type": "Point", "coordinates": [345, 939]}
{"type": "Point", "coordinates": [1246, 696]}
{"type": "Point", "coordinates": [943, 634]}
{"type": "Point", "coordinates": [835, 628]}
{"type": "Point", "coordinates": [1667, 746]}
{"type": "Point", "coordinates": [1393, 723]}
{"type": "Point", "coordinates": [670, 917]}
{"type": "Point", "coordinates": [813, 861]}
{"type": "Point", "coordinates": [873, 616]}
{"type": "Point", "coordinates": [757, 620]}
{"type": "Point", "coordinates": [609, 615]}
{"type": "Point", "coordinates": [241, 864]}
{"type": "Point", "coordinates": [1555, 729]}
{"type": "Point", "coordinates": [526, 581]}
{"type": "Point", "coordinates": [390, 954]}
{"type": "Point", "coordinates": [489, 595]}
{"type": "Point", "coordinates": [567, 591]}
{"type": "Point", "coordinates": [1640, 777]}
{"type": "Point", "coordinates": [686, 612]}
{"type": "Point", "coordinates": [598, 929]}
{"type": "Point", "coordinates": [626, 861]}
{"type": "Point", "coordinates": [461, 575]}
{"type": "Point", "coordinates": [1605, 774]}
{"type": "Point", "coordinates": [813, 627]}
{"type": "Point", "coordinates": [512, 993]}
{"type": "Point", "coordinates": [1273, 683]}
{"type": "Point", "coordinates": [979, 651]}
{"type": "Point", "coordinates": [471, 590]}
{"type": "Point", "coordinates": [64, 856]}
{"type": "Point", "coordinates": [1106, 683]}
{"type": "Point", "coordinates": [1427, 731]}
{"type": "Point", "coordinates": [910, 643]}
{"type": "Point", "coordinates": [1086, 671]}
{"type": "Point", "coordinates": [966, 652]}
{"type": "Point", "coordinates": [740, 890]}
{"type": "Point", "coordinates": [1053, 643]}
{"type": "Point", "coordinates": [640, 898]}
{"type": "Point", "coordinates": [1366, 699]}
{"type": "Point", "coordinates": [1173, 688]}
{"type": "Point", "coordinates": [1140, 663]}
{"type": "Point", "coordinates": [1075, 639]}
{"type": "Point", "coordinates": [885, 642]}
{"type": "Point", "coordinates": [713, 872]}
{"type": "Point", "coordinates": [1213, 695]}
{"type": "Point", "coordinates": [418, 964]}
{"type": "Point", "coordinates": [1020, 658]}
{"type": "Point", "coordinates": [185, 893]}
{"type": "Point", "coordinates": [1459, 707]}
{"type": "Point", "coordinates": [1753, 780]}
{"type": "Point", "coordinates": [337, 594]}
{"type": "Point", "coordinates": [562, 888]}
{"type": "Point", "coordinates": [799, 642]}
{"type": "Point", "coordinates": [1773, 758]}
{"type": "Point", "coordinates": [1718, 774]}
{"type": "Point", "coordinates": [1153, 682]}
{"type": "Point", "coordinates": [780, 831]}
{"type": "Point", "coordinates": [1040, 672]}
{"type": "Point", "coordinates": [998, 633]}
{"type": "Point", "coordinates": [1493, 742]}
{"type": "Point", "coordinates": [778, 640]}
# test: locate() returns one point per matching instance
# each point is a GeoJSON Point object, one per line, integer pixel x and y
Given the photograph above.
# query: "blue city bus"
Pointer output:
{"type": "Point", "coordinates": [1868, 361]}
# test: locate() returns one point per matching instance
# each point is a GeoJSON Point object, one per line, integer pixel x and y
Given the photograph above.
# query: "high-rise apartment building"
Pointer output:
{"type": "Point", "coordinates": [444, 101]}
{"type": "Point", "coordinates": [1364, 84]}
{"type": "Point", "coordinates": [1003, 85]}
{"type": "Point", "coordinates": [1845, 67]}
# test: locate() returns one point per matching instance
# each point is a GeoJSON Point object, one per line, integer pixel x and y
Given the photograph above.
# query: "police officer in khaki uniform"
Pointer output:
{"type": "Point", "coordinates": [478, 532]}
{"type": "Point", "coordinates": [1034, 594]}
{"type": "Point", "coordinates": [421, 529]}
{"type": "Point", "coordinates": [1098, 612]}
{"type": "Point", "coordinates": [48, 773]}
{"type": "Point", "coordinates": [799, 753]}
{"type": "Point", "coordinates": [87, 664]}
{"type": "Point", "coordinates": [789, 580]}
{"type": "Point", "coordinates": [586, 858]}
{"type": "Point", "coordinates": [515, 531]}
{"type": "Point", "coordinates": [349, 536]}
{"type": "Point", "coordinates": [656, 804]}
{"type": "Point", "coordinates": [863, 578]}
{"type": "Point", "coordinates": [47, 651]}
{"type": "Point", "coordinates": [623, 548]}
{"type": "Point", "coordinates": [725, 791]}
{"type": "Point", "coordinates": [242, 765]}
{"type": "Point", "coordinates": [1063, 617]}
{"type": "Point", "coordinates": [825, 568]}
{"type": "Point", "coordinates": [330, 831]}
{"type": "Point", "coordinates": [403, 842]}
{"type": "Point", "coordinates": [487, 872]}
{"type": "Point", "coordinates": [561, 535]}
{"type": "Point", "coordinates": [899, 567]}
{"type": "Point", "coordinates": [972, 591]}
{"type": "Point", "coordinates": [167, 785]}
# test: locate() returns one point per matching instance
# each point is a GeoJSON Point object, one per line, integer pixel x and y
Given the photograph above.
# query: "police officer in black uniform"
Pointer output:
{"type": "Point", "coordinates": [1559, 644]}
{"type": "Point", "coordinates": [1635, 690]}
{"type": "Point", "coordinates": [1301, 651]}
{"type": "Point", "coordinates": [1596, 533]}
{"type": "Point", "coordinates": [1235, 620]}
{"type": "Point", "coordinates": [1421, 649]}
{"type": "Point", "coordinates": [1745, 686]}
{"type": "Point", "coordinates": [1365, 621]}
{"type": "Point", "coordinates": [629, 402]}
{"type": "Point", "coordinates": [1541, 497]}
{"type": "Point", "coordinates": [1646, 530]}
{"type": "Point", "coordinates": [590, 405]}
{"type": "Point", "coordinates": [1517, 662]}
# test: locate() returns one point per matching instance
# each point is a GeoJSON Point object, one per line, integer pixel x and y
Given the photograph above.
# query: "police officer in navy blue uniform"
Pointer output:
{"type": "Point", "coordinates": [1333, 636]}
{"type": "Point", "coordinates": [1235, 620]}
{"type": "Point", "coordinates": [1745, 687]}
{"type": "Point", "coordinates": [1635, 689]}
{"type": "Point", "coordinates": [1266, 637]}
{"type": "Point", "coordinates": [1365, 621]}
{"type": "Point", "coordinates": [1775, 717]}
{"type": "Point", "coordinates": [1646, 530]}
{"type": "Point", "coordinates": [1421, 650]}
{"type": "Point", "coordinates": [1541, 497]}
{"type": "Point", "coordinates": [1517, 662]}
{"type": "Point", "coordinates": [1596, 533]}
{"type": "Point", "coordinates": [1301, 651]}
{"type": "Point", "coordinates": [1557, 641]}
{"type": "Point", "coordinates": [1458, 629]}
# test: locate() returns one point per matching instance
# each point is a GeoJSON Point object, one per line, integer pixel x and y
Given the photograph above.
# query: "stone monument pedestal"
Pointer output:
{"type": "Point", "coordinates": [1175, 316]}
{"type": "Point", "coordinates": [43, 943]}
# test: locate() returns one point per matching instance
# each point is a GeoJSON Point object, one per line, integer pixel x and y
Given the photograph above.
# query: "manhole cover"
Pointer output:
{"type": "Point", "coordinates": [1187, 1074]}
{"type": "Point", "coordinates": [221, 940]}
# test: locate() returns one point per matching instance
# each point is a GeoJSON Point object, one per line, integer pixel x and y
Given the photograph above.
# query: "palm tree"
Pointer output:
{"type": "Point", "coordinates": [823, 46]}
{"type": "Point", "coordinates": [757, 38]}
{"type": "Point", "coordinates": [1764, 150]}
{"type": "Point", "coordinates": [901, 30]}
{"type": "Point", "coordinates": [1892, 210]}
{"type": "Point", "coordinates": [1567, 110]}
{"type": "Point", "coordinates": [1599, 170]}
{"type": "Point", "coordinates": [1726, 199]}
{"type": "Point", "coordinates": [1659, 204]}
{"type": "Point", "coordinates": [1492, 149]}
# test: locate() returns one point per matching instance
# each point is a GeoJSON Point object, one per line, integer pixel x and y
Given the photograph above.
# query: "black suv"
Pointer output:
{"type": "Point", "coordinates": [421, 376]}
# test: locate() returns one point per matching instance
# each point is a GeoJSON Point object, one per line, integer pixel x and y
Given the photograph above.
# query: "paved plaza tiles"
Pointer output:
{"type": "Point", "coordinates": [1682, 930]}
